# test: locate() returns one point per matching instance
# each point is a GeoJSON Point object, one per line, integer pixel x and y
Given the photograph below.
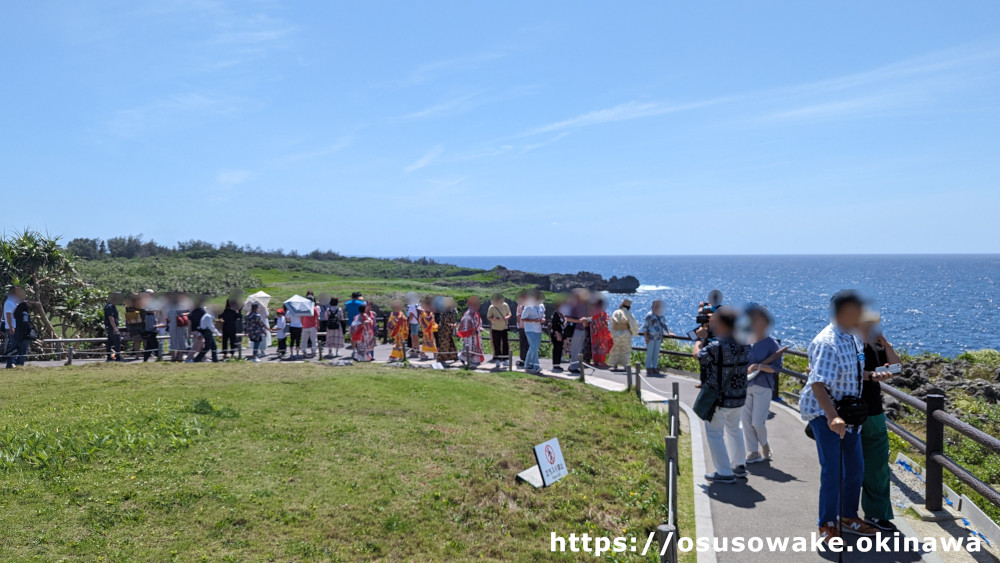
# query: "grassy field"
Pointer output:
{"type": "Point", "coordinates": [307, 462]}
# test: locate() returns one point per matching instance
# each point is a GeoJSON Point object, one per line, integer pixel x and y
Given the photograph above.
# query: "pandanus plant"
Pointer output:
{"type": "Point", "coordinates": [46, 272]}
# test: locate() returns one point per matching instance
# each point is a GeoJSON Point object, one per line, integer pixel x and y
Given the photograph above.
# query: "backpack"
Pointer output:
{"type": "Point", "coordinates": [182, 320]}
{"type": "Point", "coordinates": [254, 328]}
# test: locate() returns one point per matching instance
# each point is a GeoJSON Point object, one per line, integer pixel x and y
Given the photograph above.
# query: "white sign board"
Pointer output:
{"type": "Point", "coordinates": [550, 460]}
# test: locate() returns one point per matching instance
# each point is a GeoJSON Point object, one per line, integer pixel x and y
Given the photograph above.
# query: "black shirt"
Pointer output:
{"type": "Point", "coordinates": [195, 317]}
{"type": "Point", "coordinates": [110, 312]}
{"type": "Point", "coordinates": [229, 318]}
{"type": "Point", "coordinates": [871, 391]}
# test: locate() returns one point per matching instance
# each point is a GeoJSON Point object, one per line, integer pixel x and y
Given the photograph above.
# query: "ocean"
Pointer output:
{"type": "Point", "coordinates": [944, 304]}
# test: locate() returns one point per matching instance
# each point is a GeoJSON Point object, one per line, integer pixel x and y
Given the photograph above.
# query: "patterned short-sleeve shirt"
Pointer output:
{"type": "Point", "coordinates": [834, 360]}
{"type": "Point", "coordinates": [655, 326]}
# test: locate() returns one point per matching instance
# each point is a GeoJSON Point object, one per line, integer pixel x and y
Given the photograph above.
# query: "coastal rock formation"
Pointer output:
{"type": "Point", "coordinates": [566, 282]}
{"type": "Point", "coordinates": [931, 375]}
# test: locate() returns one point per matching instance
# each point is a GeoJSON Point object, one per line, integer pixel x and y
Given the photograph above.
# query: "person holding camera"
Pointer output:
{"type": "Point", "coordinates": [831, 403]}
{"type": "Point", "coordinates": [879, 357]}
{"type": "Point", "coordinates": [724, 362]}
{"type": "Point", "coordinates": [702, 318]}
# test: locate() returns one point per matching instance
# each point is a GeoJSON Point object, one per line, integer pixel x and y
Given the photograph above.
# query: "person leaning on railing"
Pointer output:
{"type": "Point", "coordinates": [875, 500]}
{"type": "Point", "coordinates": [829, 403]}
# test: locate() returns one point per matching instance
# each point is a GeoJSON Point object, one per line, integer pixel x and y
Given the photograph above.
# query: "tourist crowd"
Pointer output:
{"type": "Point", "coordinates": [739, 362]}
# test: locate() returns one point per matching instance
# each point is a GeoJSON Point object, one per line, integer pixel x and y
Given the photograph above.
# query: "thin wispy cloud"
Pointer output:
{"type": "Point", "coordinates": [623, 112]}
{"type": "Point", "coordinates": [328, 150]}
{"type": "Point", "coordinates": [430, 71]}
{"type": "Point", "coordinates": [450, 107]}
{"type": "Point", "coordinates": [425, 160]}
{"type": "Point", "coordinates": [894, 89]}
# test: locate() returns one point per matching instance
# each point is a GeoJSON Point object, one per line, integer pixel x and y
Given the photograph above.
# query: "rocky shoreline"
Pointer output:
{"type": "Point", "coordinates": [566, 282]}
{"type": "Point", "coordinates": [923, 376]}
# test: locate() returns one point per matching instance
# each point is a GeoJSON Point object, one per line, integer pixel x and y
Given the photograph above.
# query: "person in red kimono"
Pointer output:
{"type": "Point", "coordinates": [469, 329]}
{"type": "Point", "coordinates": [600, 334]}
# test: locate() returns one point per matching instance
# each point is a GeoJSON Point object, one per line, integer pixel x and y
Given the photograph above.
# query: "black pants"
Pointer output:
{"type": "Point", "coordinates": [501, 345]}
{"type": "Point", "coordinates": [209, 345]}
{"type": "Point", "coordinates": [522, 344]}
{"type": "Point", "coordinates": [282, 345]}
{"type": "Point", "coordinates": [295, 336]}
{"type": "Point", "coordinates": [323, 327]}
{"type": "Point", "coordinates": [114, 342]}
{"type": "Point", "coordinates": [151, 346]}
{"type": "Point", "coordinates": [229, 343]}
{"type": "Point", "coordinates": [557, 350]}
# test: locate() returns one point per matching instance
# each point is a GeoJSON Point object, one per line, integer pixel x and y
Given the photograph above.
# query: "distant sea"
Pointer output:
{"type": "Point", "coordinates": [941, 303]}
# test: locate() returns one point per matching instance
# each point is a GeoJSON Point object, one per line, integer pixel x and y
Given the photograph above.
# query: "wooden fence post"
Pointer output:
{"type": "Point", "coordinates": [628, 378]}
{"type": "Point", "coordinates": [638, 386]}
{"type": "Point", "coordinates": [69, 356]}
{"type": "Point", "coordinates": [579, 362]}
{"type": "Point", "coordinates": [935, 445]}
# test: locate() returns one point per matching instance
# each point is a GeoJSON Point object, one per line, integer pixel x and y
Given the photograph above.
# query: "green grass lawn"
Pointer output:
{"type": "Point", "coordinates": [299, 462]}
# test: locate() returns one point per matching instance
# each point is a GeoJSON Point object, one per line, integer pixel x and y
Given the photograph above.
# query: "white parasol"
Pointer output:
{"type": "Point", "coordinates": [259, 298]}
{"type": "Point", "coordinates": [298, 306]}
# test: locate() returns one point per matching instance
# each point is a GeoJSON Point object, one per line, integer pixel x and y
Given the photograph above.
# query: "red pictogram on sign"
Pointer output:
{"type": "Point", "coordinates": [549, 454]}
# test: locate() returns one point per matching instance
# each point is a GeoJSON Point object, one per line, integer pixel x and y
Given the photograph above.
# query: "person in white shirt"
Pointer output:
{"type": "Point", "coordinates": [281, 326]}
{"type": "Point", "coordinates": [207, 329]}
{"type": "Point", "coordinates": [15, 346]}
{"type": "Point", "coordinates": [532, 316]}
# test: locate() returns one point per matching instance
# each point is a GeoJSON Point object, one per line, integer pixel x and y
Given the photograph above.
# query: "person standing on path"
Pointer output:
{"type": "Point", "coordinates": [113, 345]}
{"type": "Point", "coordinates": [428, 326]}
{"type": "Point", "coordinates": [230, 317]}
{"type": "Point", "coordinates": [256, 329]}
{"type": "Point", "coordinates": [15, 318]}
{"type": "Point", "coordinates": [600, 333]}
{"type": "Point", "coordinates": [399, 331]}
{"type": "Point", "coordinates": [532, 318]}
{"type": "Point", "coordinates": [836, 369]}
{"type": "Point", "coordinates": [875, 499]}
{"type": "Point", "coordinates": [310, 324]}
{"type": "Point", "coordinates": [654, 330]}
{"type": "Point", "coordinates": [557, 332]}
{"type": "Point", "coordinates": [334, 328]}
{"type": "Point", "coordinates": [522, 337]}
{"type": "Point", "coordinates": [764, 375]}
{"type": "Point", "coordinates": [623, 328]}
{"type": "Point", "coordinates": [499, 317]}
{"type": "Point", "coordinates": [362, 334]}
{"type": "Point", "coordinates": [469, 330]}
{"type": "Point", "coordinates": [725, 364]}
{"type": "Point", "coordinates": [447, 352]}
{"type": "Point", "coordinates": [578, 317]}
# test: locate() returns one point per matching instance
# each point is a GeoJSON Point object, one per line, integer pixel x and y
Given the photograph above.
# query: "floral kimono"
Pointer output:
{"type": "Point", "coordinates": [362, 338]}
{"type": "Point", "coordinates": [446, 342]}
{"type": "Point", "coordinates": [428, 326]}
{"type": "Point", "coordinates": [600, 337]}
{"type": "Point", "coordinates": [472, 340]}
{"type": "Point", "coordinates": [399, 331]}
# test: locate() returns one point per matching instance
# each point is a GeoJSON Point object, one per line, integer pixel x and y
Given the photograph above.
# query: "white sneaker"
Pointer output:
{"type": "Point", "coordinates": [766, 451]}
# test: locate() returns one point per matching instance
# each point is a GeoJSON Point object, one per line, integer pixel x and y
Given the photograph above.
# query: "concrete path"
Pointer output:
{"type": "Point", "coordinates": [779, 499]}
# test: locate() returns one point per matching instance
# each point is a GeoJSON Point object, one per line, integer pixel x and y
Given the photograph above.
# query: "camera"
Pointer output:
{"type": "Point", "coordinates": [704, 313]}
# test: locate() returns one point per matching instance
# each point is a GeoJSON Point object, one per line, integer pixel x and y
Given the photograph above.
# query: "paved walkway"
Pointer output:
{"type": "Point", "coordinates": [779, 499]}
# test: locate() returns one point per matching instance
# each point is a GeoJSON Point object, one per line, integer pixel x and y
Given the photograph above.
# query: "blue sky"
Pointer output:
{"type": "Point", "coordinates": [441, 128]}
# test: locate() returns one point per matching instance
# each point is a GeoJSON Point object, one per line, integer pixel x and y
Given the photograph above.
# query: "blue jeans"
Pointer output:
{"type": "Point", "coordinates": [17, 347]}
{"type": "Point", "coordinates": [534, 343]}
{"type": "Point", "coordinates": [260, 348]}
{"type": "Point", "coordinates": [829, 445]}
{"type": "Point", "coordinates": [653, 353]}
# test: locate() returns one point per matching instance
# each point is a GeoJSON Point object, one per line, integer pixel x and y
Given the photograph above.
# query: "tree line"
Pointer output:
{"type": "Point", "coordinates": [133, 246]}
